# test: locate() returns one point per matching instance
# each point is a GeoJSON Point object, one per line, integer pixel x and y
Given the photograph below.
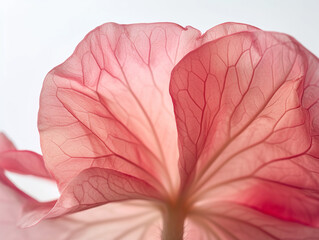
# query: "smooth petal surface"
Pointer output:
{"type": "Point", "coordinates": [246, 133]}
{"type": "Point", "coordinates": [5, 143]}
{"type": "Point", "coordinates": [23, 162]}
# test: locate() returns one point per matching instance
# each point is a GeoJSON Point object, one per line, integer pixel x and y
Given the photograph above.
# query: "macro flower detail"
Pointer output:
{"type": "Point", "coordinates": [154, 131]}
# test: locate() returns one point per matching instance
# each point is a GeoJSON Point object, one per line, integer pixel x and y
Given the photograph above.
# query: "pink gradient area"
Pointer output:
{"type": "Point", "coordinates": [247, 119]}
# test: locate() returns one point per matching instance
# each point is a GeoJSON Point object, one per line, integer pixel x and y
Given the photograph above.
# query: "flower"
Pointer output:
{"type": "Point", "coordinates": [154, 131]}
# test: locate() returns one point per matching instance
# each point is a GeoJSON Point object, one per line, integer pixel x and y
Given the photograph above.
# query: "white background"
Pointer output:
{"type": "Point", "coordinates": [37, 35]}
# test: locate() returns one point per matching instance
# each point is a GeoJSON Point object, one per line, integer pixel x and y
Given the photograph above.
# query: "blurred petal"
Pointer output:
{"type": "Point", "coordinates": [244, 128]}
{"type": "Point", "coordinates": [5, 143]}
{"type": "Point", "coordinates": [23, 162]}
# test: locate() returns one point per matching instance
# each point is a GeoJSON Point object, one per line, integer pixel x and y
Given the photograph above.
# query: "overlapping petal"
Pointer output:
{"type": "Point", "coordinates": [91, 188]}
{"type": "Point", "coordinates": [108, 105]}
{"type": "Point", "coordinates": [110, 221]}
{"type": "Point", "coordinates": [245, 103]}
{"type": "Point", "coordinates": [245, 130]}
{"type": "Point", "coordinates": [21, 161]}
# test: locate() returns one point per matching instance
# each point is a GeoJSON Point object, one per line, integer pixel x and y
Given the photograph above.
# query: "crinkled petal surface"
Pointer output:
{"type": "Point", "coordinates": [108, 105]}
{"type": "Point", "coordinates": [126, 220]}
{"type": "Point", "coordinates": [91, 188]}
{"type": "Point", "coordinates": [112, 221]}
{"type": "Point", "coordinates": [246, 111]}
{"type": "Point", "coordinates": [245, 103]}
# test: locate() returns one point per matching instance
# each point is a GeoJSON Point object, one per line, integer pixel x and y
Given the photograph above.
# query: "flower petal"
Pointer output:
{"type": "Point", "coordinates": [108, 105]}
{"type": "Point", "coordinates": [226, 29]}
{"type": "Point", "coordinates": [5, 143]}
{"type": "Point", "coordinates": [109, 221]}
{"type": "Point", "coordinates": [92, 187]}
{"type": "Point", "coordinates": [23, 162]}
{"type": "Point", "coordinates": [227, 220]}
{"type": "Point", "coordinates": [246, 113]}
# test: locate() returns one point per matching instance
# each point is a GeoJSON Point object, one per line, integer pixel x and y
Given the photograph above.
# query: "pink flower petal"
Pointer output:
{"type": "Point", "coordinates": [5, 143]}
{"type": "Point", "coordinates": [110, 221]}
{"type": "Point", "coordinates": [226, 29]}
{"type": "Point", "coordinates": [106, 222]}
{"type": "Point", "coordinates": [108, 105]}
{"type": "Point", "coordinates": [246, 113]}
{"type": "Point", "coordinates": [23, 162]}
{"type": "Point", "coordinates": [227, 220]}
{"type": "Point", "coordinates": [92, 187]}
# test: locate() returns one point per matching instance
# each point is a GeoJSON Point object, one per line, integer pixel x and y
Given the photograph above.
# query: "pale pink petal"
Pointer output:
{"type": "Point", "coordinates": [227, 220]}
{"type": "Point", "coordinates": [5, 143]}
{"type": "Point", "coordinates": [127, 220]}
{"type": "Point", "coordinates": [108, 105]}
{"type": "Point", "coordinates": [226, 29]}
{"type": "Point", "coordinates": [246, 133]}
{"type": "Point", "coordinates": [130, 220]}
{"type": "Point", "coordinates": [92, 187]}
{"type": "Point", "coordinates": [23, 162]}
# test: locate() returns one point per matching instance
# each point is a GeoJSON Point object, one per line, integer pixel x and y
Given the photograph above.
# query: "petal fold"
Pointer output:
{"type": "Point", "coordinates": [91, 188]}
{"type": "Point", "coordinates": [21, 161]}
